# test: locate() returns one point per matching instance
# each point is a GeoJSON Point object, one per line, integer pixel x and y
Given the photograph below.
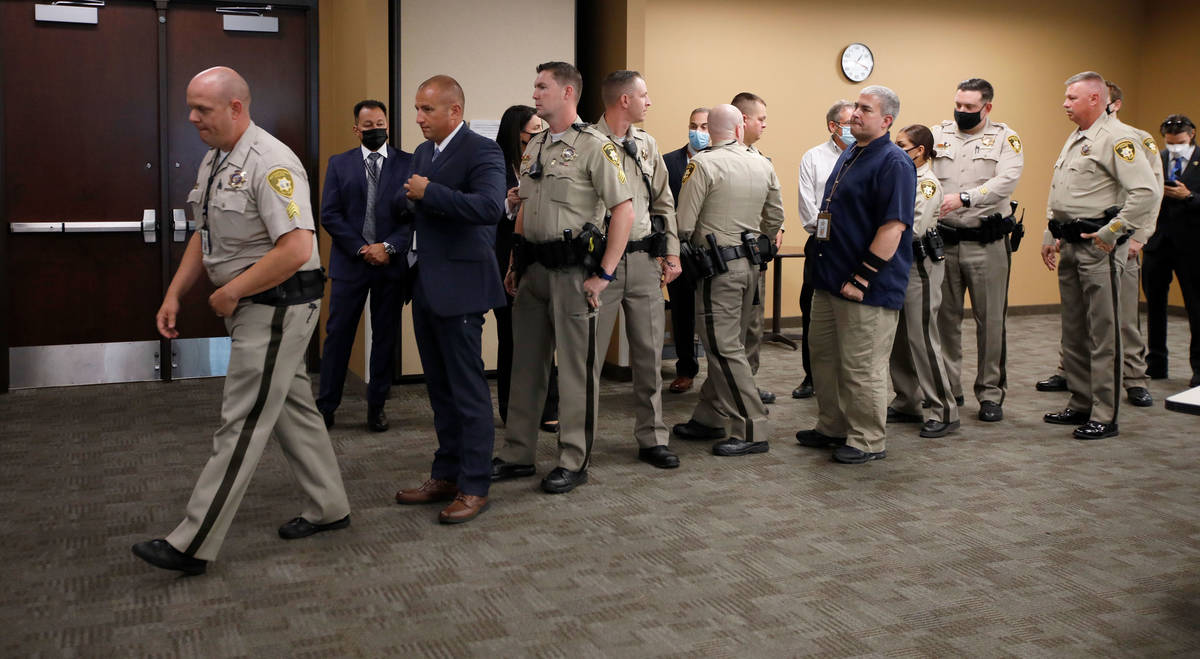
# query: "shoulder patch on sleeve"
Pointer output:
{"type": "Point", "coordinates": [293, 210]}
{"type": "Point", "coordinates": [280, 181]}
{"type": "Point", "coordinates": [1125, 149]}
{"type": "Point", "coordinates": [1150, 145]}
{"type": "Point", "coordinates": [1014, 142]}
{"type": "Point", "coordinates": [928, 189]}
{"type": "Point", "coordinates": [688, 172]}
{"type": "Point", "coordinates": [610, 152]}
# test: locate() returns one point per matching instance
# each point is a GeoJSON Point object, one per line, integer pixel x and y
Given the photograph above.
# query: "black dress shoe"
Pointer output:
{"type": "Point", "coordinates": [1195, 381]}
{"type": "Point", "coordinates": [562, 480]}
{"type": "Point", "coordinates": [1067, 417]}
{"type": "Point", "coordinates": [502, 471]}
{"type": "Point", "coordinates": [327, 416]}
{"type": "Point", "coordinates": [1052, 383]}
{"type": "Point", "coordinates": [991, 412]}
{"type": "Point", "coordinates": [896, 416]}
{"type": "Point", "coordinates": [299, 527]}
{"type": "Point", "coordinates": [160, 553]}
{"type": "Point", "coordinates": [1139, 397]}
{"type": "Point", "coordinates": [814, 439]}
{"type": "Point", "coordinates": [805, 390]}
{"type": "Point", "coordinates": [959, 400]}
{"type": "Point", "coordinates": [1096, 430]}
{"type": "Point", "coordinates": [766, 397]}
{"type": "Point", "coordinates": [933, 428]}
{"type": "Point", "coordinates": [659, 456]}
{"type": "Point", "coordinates": [734, 446]}
{"type": "Point", "coordinates": [852, 456]}
{"type": "Point", "coordinates": [377, 419]}
{"type": "Point", "coordinates": [693, 429]}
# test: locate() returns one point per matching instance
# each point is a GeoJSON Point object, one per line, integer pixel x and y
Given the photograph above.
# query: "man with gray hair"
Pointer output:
{"type": "Point", "coordinates": [860, 278]}
{"type": "Point", "coordinates": [729, 201]}
{"type": "Point", "coordinates": [1102, 192]}
{"type": "Point", "coordinates": [815, 167]}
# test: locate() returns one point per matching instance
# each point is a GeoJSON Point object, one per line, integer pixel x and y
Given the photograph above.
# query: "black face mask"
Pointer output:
{"type": "Point", "coordinates": [967, 120]}
{"type": "Point", "coordinates": [374, 138]}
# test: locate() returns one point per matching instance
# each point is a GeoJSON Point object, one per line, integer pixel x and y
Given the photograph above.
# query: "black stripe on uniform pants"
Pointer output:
{"type": "Point", "coordinates": [939, 376]}
{"type": "Point", "coordinates": [1004, 324]}
{"type": "Point", "coordinates": [589, 409]}
{"type": "Point", "coordinates": [715, 353]}
{"type": "Point", "coordinates": [1114, 279]}
{"type": "Point", "coordinates": [248, 426]}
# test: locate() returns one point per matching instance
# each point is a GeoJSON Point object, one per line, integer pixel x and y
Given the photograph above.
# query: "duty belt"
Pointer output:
{"type": "Point", "coordinates": [304, 286]}
{"type": "Point", "coordinates": [654, 243]}
{"type": "Point", "coordinates": [734, 252]}
{"type": "Point", "coordinates": [553, 255]}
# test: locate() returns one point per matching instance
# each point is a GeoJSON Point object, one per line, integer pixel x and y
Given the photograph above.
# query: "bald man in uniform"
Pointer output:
{"type": "Point", "coordinates": [1103, 191]}
{"type": "Point", "coordinates": [570, 173]}
{"type": "Point", "coordinates": [728, 190]}
{"type": "Point", "coordinates": [254, 239]}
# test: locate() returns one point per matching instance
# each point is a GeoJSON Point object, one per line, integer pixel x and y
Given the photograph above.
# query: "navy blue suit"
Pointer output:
{"type": "Point", "coordinates": [682, 290]}
{"type": "Point", "coordinates": [343, 209]}
{"type": "Point", "coordinates": [455, 282]}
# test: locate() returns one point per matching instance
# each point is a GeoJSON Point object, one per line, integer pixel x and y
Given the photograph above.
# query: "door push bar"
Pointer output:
{"type": "Point", "coordinates": [148, 227]}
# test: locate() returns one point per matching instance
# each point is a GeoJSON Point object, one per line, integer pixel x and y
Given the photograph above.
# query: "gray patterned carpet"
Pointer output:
{"type": "Point", "coordinates": [1006, 539]}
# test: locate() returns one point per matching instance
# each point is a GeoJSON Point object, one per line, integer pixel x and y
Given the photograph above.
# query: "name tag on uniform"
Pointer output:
{"type": "Point", "coordinates": [205, 245]}
{"type": "Point", "coordinates": [823, 225]}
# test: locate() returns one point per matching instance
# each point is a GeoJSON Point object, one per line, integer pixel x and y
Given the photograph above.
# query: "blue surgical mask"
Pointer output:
{"type": "Point", "coordinates": [846, 137]}
{"type": "Point", "coordinates": [698, 140]}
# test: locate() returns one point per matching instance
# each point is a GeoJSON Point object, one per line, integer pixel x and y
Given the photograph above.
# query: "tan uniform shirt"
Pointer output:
{"type": "Point", "coordinates": [650, 162]}
{"type": "Point", "coordinates": [929, 200]}
{"type": "Point", "coordinates": [258, 192]}
{"type": "Point", "coordinates": [986, 165]}
{"type": "Point", "coordinates": [1105, 165]}
{"type": "Point", "coordinates": [581, 179]}
{"type": "Point", "coordinates": [1151, 222]}
{"type": "Point", "coordinates": [727, 189]}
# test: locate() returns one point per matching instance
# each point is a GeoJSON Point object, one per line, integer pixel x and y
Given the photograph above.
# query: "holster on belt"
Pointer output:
{"type": "Point", "coordinates": [718, 259]}
{"type": "Point", "coordinates": [1018, 230]}
{"type": "Point", "coordinates": [697, 265]}
{"type": "Point", "coordinates": [750, 241]}
{"type": "Point", "coordinates": [589, 248]}
{"type": "Point", "coordinates": [303, 286]}
{"type": "Point", "coordinates": [1073, 230]}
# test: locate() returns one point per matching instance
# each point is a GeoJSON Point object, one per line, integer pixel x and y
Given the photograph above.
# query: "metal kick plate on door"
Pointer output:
{"type": "Point", "coordinates": [82, 363]}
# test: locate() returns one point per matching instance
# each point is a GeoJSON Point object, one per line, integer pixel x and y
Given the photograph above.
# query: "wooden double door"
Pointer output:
{"type": "Point", "coordinates": [97, 160]}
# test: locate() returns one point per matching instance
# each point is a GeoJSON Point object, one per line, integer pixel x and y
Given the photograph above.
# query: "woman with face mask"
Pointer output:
{"type": "Point", "coordinates": [918, 368]}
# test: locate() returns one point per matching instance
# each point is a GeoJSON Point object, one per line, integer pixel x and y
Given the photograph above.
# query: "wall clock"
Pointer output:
{"type": "Point", "coordinates": [857, 62]}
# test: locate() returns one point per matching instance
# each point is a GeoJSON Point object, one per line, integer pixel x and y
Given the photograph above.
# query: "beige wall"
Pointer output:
{"type": "Point", "coordinates": [353, 65]}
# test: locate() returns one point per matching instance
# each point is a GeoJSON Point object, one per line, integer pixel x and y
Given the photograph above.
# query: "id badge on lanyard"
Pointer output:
{"type": "Point", "coordinates": [823, 225]}
{"type": "Point", "coordinates": [205, 235]}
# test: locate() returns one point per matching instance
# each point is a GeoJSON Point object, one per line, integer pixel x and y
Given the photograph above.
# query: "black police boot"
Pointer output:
{"type": "Point", "coordinates": [1096, 430]}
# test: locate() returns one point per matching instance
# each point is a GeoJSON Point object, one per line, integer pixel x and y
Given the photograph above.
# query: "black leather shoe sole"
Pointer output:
{"type": "Point", "coordinates": [507, 470]}
{"type": "Point", "coordinates": [1140, 397]}
{"type": "Point", "coordinates": [697, 431]}
{"type": "Point", "coordinates": [561, 481]}
{"type": "Point", "coordinates": [298, 527]}
{"type": "Point", "coordinates": [1067, 418]}
{"type": "Point", "coordinates": [161, 554]}
{"type": "Point", "coordinates": [939, 429]}
{"type": "Point", "coordinates": [1052, 383]}
{"type": "Point", "coordinates": [814, 439]}
{"type": "Point", "coordinates": [733, 447]}
{"type": "Point", "coordinates": [658, 456]}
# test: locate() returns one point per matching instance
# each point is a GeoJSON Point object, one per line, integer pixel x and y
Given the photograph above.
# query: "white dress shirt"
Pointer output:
{"type": "Point", "coordinates": [815, 168]}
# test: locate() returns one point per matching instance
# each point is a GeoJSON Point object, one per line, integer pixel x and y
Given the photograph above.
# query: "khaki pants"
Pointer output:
{"type": "Point", "coordinates": [850, 346]}
{"type": "Point", "coordinates": [1089, 284]}
{"type": "Point", "coordinates": [918, 368]}
{"type": "Point", "coordinates": [550, 314]}
{"type": "Point", "coordinates": [754, 331]}
{"type": "Point", "coordinates": [980, 271]}
{"type": "Point", "coordinates": [637, 289]}
{"type": "Point", "coordinates": [267, 392]}
{"type": "Point", "coordinates": [724, 312]}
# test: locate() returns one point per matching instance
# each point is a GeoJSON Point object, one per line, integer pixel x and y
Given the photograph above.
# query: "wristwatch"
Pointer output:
{"type": "Point", "coordinates": [965, 199]}
{"type": "Point", "coordinates": [387, 247]}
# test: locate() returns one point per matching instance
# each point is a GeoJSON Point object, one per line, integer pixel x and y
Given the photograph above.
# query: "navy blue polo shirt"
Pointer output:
{"type": "Point", "coordinates": [878, 184]}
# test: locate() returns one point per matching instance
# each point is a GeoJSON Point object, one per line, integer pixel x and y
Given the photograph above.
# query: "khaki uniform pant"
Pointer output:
{"type": "Point", "coordinates": [549, 314]}
{"type": "Point", "coordinates": [267, 391]}
{"type": "Point", "coordinates": [980, 271]}
{"type": "Point", "coordinates": [918, 368]}
{"type": "Point", "coordinates": [724, 312]}
{"type": "Point", "coordinates": [1133, 370]}
{"type": "Point", "coordinates": [850, 346]}
{"type": "Point", "coordinates": [1089, 284]}
{"type": "Point", "coordinates": [637, 289]}
{"type": "Point", "coordinates": [754, 331]}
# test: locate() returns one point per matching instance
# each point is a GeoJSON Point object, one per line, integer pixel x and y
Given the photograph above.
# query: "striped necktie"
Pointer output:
{"type": "Point", "coordinates": [372, 188]}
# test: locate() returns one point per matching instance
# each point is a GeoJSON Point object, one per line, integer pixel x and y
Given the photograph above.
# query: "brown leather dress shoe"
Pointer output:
{"type": "Point", "coordinates": [681, 385]}
{"type": "Point", "coordinates": [464, 508]}
{"type": "Point", "coordinates": [431, 491]}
